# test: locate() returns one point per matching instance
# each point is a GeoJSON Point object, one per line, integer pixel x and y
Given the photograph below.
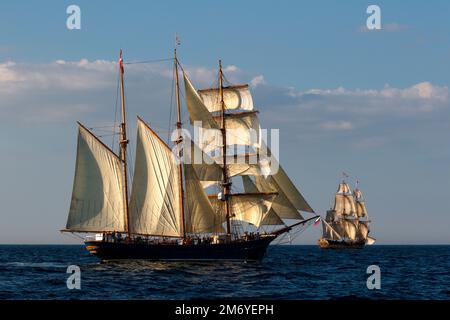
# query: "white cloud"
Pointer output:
{"type": "Point", "coordinates": [231, 68]}
{"type": "Point", "coordinates": [337, 125]}
{"type": "Point", "coordinates": [422, 90]}
{"type": "Point", "coordinates": [65, 91]}
{"type": "Point", "coordinates": [364, 118]}
{"type": "Point", "coordinates": [257, 81]}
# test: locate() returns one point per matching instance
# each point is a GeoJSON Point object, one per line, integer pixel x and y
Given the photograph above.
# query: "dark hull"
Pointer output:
{"type": "Point", "coordinates": [333, 244]}
{"type": "Point", "coordinates": [242, 250]}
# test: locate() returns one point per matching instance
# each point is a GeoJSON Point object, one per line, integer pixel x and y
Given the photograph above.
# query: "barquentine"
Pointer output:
{"type": "Point", "coordinates": [189, 209]}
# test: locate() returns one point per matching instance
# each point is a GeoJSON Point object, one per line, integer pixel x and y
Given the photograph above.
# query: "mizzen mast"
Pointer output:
{"type": "Point", "coordinates": [225, 182]}
{"type": "Point", "coordinates": [178, 142]}
{"type": "Point", "coordinates": [123, 147]}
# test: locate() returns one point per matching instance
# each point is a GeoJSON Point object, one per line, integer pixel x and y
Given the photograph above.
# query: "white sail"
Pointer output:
{"type": "Point", "coordinates": [271, 217]}
{"type": "Point", "coordinates": [344, 204]}
{"type": "Point", "coordinates": [361, 210]}
{"type": "Point", "coordinates": [370, 241]}
{"type": "Point", "coordinates": [245, 164]}
{"type": "Point", "coordinates": [282, 205]}
{"type": "Point", "coordinates": [343, 188]}
{"type": "Point", "coordinates": [349, 228]}
{"type": "Point", "coordinates": [234, 97]}
{"type": "Point", "coordinates": [283, 183]}
{"type": "Point", "coordinates": [338, 226]}
{"type": "Point", "coordinates": [97, 197]}
{"type": "Point", "coordinates": [239, 165]}
{"type": "Point", "coordinates": [250, 208]}
{"type": "Point", "coordinates": [155, 197]}
{"type": "Point", "coordinates": [241, 129]}
{"type": "Point", "coordinates": [328, 232]}
{"type": "Point", "coordinates": [196, 109]}
{"type": "Point", "coordinates": [206, 168]}
{"type": "Point", "coordinates": [200, 215]}
{"type": "Point", "coordinates": [357, 194]}
{"type": "Point", "coordinates": [363, 230]}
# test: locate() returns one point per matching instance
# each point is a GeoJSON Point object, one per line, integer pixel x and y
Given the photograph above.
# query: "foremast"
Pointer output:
{"type": "Point", "coordinates": [179, 144]}
{"type": "Point", "coordinates": [123, 147]}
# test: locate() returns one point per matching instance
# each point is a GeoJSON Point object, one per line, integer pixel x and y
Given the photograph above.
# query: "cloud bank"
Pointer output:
{"type": "Point", "coordinates": [65, 91]}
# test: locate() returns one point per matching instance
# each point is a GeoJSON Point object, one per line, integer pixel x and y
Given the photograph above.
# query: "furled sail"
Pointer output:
{"type": "Point", "coordinates": [97, 197]}
{"type": "Point", "coordinates": [200, 215]}
{"type": "Point", "coordinates": [235, 97]}
{"type": "Point", "coordinates": [155, 197]}
{"type": "Point", "coordinates": [344, 204]}
{"type": "Point", "coordinates": [328, 232]}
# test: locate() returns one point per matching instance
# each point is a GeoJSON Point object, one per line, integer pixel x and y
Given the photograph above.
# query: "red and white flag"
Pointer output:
{"type": "Point", "coordinates": [121, 61]}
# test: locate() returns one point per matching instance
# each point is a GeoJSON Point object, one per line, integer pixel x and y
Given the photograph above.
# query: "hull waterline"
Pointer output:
{"type": "Point", "coordinates": [252, 250]}
{"type": "Point", "coordinates": [333, 244]}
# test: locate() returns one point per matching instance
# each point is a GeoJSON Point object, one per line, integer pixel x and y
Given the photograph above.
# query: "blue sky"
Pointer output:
{"type": "Point", "coordinates": [373, 103]}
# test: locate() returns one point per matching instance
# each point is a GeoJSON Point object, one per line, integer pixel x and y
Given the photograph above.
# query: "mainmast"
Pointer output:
{"type": "Point", "coordinates": [179, 140]}
{"type": "Point", "coordinates": [225, 182]}
{"type": "Point", "coordinates": [123, 148]}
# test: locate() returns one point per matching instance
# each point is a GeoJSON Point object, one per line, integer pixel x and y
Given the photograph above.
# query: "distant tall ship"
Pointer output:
{"type": "Point", "coordinates": [184, 210]}
{"type": "Point", "coordinates": [347, 223]}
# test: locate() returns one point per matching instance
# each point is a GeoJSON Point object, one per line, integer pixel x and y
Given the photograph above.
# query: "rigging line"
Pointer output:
{"type": "Point", "coordinates": [148, 61]}
{"type": "Point", "coordinates": [107, 135]}
{"type": "Point", "coordinates": [104, 130]}
{"type": "Point", "coordinates": [100, 127]}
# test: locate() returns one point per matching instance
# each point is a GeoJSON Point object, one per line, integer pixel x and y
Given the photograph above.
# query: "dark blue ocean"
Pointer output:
{"type": "Point", "coordinates": [287, 272]}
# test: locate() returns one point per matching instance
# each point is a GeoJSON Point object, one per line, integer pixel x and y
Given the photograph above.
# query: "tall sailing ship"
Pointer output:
{"type": "Point", "coordinates": [180, 207]}
{"type": "Point", "coordinates": [347, 223]}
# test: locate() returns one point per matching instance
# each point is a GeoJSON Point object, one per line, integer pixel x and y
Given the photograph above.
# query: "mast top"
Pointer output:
{"type": "Point", "coordinates": [121, 62]}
